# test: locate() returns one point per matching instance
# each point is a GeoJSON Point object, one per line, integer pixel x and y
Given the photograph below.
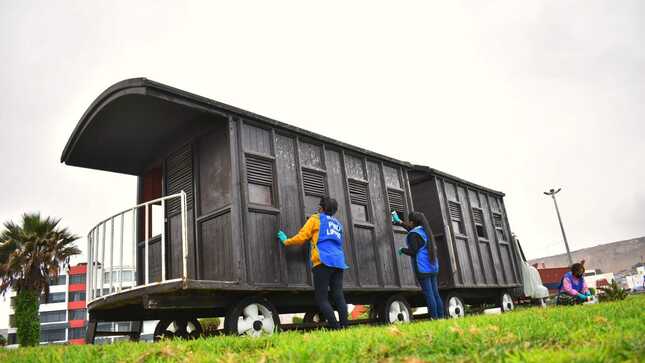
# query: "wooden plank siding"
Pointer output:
{"type": "Point", "coordinates": [470, 257]}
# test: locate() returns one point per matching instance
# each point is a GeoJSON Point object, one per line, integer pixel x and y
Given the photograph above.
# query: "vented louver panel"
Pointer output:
{"type": "Point", "coordinates": [259, 171]}
{"type": "Point", "coordinates": [497, 220]}
{"type": "Point", "coordinates": [179, 176]}
{"type": "Point", "coordinates": [478, 216]}
{"type": "Point", "coordinates": [397, 200]}
{"type": "Point", "coordinates": [358, 192]}
{"type": "Point", "coordinates": [455, 211]}
{"type": "Point", "coordinates": [314, 183]}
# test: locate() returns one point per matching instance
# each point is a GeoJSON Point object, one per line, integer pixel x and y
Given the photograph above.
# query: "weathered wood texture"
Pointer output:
{"type": "Point", "coordinates": [473, 235]}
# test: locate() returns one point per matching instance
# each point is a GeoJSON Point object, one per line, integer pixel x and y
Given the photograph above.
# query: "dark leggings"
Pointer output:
{"type": "Point", "coordinates": [330, 280]}
{"type": "Point", "coordinates": [431, 293]}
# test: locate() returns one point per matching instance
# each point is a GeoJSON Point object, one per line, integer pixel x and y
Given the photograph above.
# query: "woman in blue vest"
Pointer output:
{"type": "Point", "coordinates": [422, 249]}
{"type": "Point", "coordinates": [327, 258]}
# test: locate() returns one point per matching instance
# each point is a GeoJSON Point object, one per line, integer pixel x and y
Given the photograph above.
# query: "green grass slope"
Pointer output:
{"type": "Point", "coordinates": [609, 332]}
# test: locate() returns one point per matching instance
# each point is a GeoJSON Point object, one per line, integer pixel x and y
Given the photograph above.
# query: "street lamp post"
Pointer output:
{"type": "Point", "coordinates": [552, 193]}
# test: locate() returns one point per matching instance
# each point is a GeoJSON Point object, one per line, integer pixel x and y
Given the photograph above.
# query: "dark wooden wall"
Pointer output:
{"type": "Point", "coordinates": [245, 180]}
{"type": "Point", "coordinates": [469, 257]}
{"type": "Point", "coordinates": [283, 176]}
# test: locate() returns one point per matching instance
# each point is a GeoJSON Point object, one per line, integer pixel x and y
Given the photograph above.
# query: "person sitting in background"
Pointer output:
{"type": "Point", "coordinates": [573, 288]}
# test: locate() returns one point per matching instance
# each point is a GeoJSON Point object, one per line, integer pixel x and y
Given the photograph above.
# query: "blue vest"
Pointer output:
{"type": "Point", "coordinates": [576, 286]}
{"type": "Point", "coordinates": [330, 242]}
{"type": "Point", "coordinates": [423, 255]}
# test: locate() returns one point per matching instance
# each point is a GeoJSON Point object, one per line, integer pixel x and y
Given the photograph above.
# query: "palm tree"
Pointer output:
{"type": "Point", "coordinates": [31, 253]}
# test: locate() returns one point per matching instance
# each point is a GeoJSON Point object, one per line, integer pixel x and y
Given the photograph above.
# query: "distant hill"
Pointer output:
{"type": "Point", "coordinates": [610, 257]}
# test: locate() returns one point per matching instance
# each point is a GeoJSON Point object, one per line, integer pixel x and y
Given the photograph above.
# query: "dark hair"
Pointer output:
{"type": "Point", "coordinates": [578, 267]}
{"type": "Point", "coordinates": [419, 219]}
{"type": "Point", "coordinates": [329, 205]}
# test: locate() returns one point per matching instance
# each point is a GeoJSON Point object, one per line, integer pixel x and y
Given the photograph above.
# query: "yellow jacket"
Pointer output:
{"type": "Point", "coordinates": [308, 232]}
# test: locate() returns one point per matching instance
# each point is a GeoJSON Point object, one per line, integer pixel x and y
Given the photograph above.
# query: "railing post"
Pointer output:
{"type": "Point", "coordinates": [95, 261]}
{"type": "Point", "coordinates": [103, 260]}
{"type": "Point", "coordinates": [88, 274]}
{"type": "Point", "coordinates": [121, 252]}
{"type": "Point", "coordinates": [135, 245]}
{"type": "Point", "coordinates": [163, 240]}
{"type": "Point", "coordinates": [145, 239]}
{"type": "Point", "coordinates": [184, 234]}
{"type": "Point", "coordinates": [111, 254]}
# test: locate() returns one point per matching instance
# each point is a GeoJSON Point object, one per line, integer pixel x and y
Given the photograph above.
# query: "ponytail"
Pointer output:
{"type": "Point", "coordinates": [419, 219]}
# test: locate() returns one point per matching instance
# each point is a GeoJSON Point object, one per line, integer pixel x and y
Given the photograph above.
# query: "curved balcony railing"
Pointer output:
{"type": "Point", "coordinates": [112, 244]}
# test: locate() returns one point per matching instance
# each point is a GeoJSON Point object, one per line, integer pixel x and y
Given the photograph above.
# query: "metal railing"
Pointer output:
{"type": "Point", "coordinates": [98, 243]}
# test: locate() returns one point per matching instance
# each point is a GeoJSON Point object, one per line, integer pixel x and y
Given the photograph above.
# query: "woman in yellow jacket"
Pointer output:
{"type": "Point", "coordinates": [327, 258]}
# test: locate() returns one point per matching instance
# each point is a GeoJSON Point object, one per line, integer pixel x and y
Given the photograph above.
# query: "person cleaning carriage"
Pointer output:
{"type": "Point", "coordinates": [573, 288]}
{"type": "Point", "coordinates": [325, 234]}
{"type": "Point", "coordinates": [422, 250]}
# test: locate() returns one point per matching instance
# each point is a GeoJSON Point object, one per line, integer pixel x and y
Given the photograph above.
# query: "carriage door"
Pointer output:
{"type": "Point", "coordinates": [178, 177]}
{"type": "Point", "coordinates": [150, 189]}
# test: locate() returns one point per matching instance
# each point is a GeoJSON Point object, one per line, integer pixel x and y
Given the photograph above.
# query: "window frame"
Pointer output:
{"type": "Point", "coordinates": [270, 161]}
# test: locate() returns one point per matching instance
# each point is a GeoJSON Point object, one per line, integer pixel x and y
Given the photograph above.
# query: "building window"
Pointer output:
{"type": "Point", "coordinates": [77, 279]}
{"type": "Point", "coordinates": [52, 335]}
{"type": "Point", "coordinates": [499, 226]}
{"type": "Point", "coordinates": [60, 280]}
{"type": "Point", "coordinates": [128, 276]}
{"type": "Point", "coordinates": [79, 314]}
{"type": "Point", "coordinates": [259, 175]}
{"type": "Point", "coordinates": [77, 296]}
{"type": "Point", "coordinates": [54, 297]}
{"type": "Point", "coordinates": [315, 186]}
{"type": "Point", "coordinates": [358, 195]}
{"type": "Point", "coordinates": [478, 217]}
{"type": "Point", "coordinates": [12, 339]}
{"type": "Point", "coordinates": [12, 321]}
{"type": "Point", "coordinates": [456, 218]}
{"type": "Point", "coordinates": [76, 333]}
{"type": "Point", "coordinates": [52, 316]}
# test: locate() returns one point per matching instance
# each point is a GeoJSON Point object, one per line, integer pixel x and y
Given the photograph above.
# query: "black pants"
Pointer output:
{"type": "Point", "coordinates": [329, 281]}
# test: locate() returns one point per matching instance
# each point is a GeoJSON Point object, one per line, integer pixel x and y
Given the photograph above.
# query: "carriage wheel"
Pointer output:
{"type": "Point", "coordinates": [181, 328]}
{"type": "Point", "coordinates": [396, 310]}
{"type": "Point", "coordinates": [506, 302]}
{"type": "Point", "coordinates": [253, 316]}
{"type": "Point", "coordinates": [454, 307]}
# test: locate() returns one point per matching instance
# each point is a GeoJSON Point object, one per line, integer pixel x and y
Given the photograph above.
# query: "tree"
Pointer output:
{"type": "Point", "coordinates": [31, 253]}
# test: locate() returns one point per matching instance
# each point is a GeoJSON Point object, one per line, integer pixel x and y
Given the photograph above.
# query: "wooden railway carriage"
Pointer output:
{"type": "Point", "coordinates": [215, 185]}
{"type": "Point", "coordinates": [478, 255]}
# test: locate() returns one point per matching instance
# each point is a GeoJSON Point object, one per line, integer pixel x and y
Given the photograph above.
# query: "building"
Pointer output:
{"type": "Point", "coordinates": [63, 315]}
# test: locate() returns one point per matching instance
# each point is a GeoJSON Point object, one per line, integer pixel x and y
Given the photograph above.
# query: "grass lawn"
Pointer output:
{"type": "Point", "coordinates": [608, 332]}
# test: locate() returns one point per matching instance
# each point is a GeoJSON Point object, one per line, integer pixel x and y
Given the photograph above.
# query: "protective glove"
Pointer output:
{"type": "Point", "coordinates": [588, 293]}
{"type": "Point", "coordinates": [400, 252]}
{"type": "Point", "coordinates": [581, 297]}
{"type": "Point", "coordinates": [395, 217]}
{"type": "Point", "coordinates": [282, 237]}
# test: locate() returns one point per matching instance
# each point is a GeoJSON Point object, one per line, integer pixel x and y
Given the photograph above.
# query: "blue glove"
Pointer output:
{"type": "Point", "coordinates": [581, 297]}
{"type": "Point", "coordinates": [395, 217]}
{"type": "Point", "coordinates": [588, 293]}
{"type": "Point", "coordinates": [400, 252]}
{"type": "Point", "coordinates": [282, 236]}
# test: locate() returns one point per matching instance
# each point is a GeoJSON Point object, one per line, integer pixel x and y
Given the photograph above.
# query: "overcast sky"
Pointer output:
{"type": "Point", "coordinates": [518, 96]}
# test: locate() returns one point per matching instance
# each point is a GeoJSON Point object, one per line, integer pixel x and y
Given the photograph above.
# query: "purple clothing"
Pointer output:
{"type": "Point", "coordinates": [573, 285]}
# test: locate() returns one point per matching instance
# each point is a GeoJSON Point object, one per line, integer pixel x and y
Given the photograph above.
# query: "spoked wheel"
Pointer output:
{"type": "Point", "coordinates": [454, 307]}
{"type": "Point", "coordinates": [183, 329]}
{"type": "Point", "coordinates": [253, 316]}
{"type": "Point", "coordinates": [312, 317]}
{"type": "Point", "coordinates": [396, 310]}
{"type": "Point", "coordinates": [506, 302]}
